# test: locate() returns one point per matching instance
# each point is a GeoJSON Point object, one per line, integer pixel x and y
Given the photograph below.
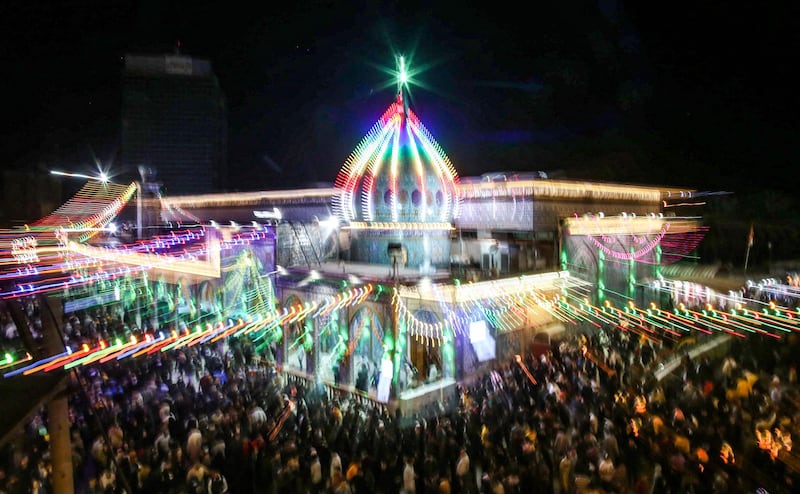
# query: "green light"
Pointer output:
{"type": "Point", "coordinates": [388, 342]}
{"type": "Point", "coordinates": [632, 274]}
{"type": "Point", "coordinates": [9, 358]}
{"type": "Point", "coordinates": [658, 261]}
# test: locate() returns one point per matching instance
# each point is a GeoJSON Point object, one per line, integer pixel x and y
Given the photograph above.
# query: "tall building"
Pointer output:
{"type": "Point", "coordinates": [174, 121]}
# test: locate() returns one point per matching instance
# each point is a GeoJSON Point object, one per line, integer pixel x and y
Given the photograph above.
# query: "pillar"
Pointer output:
{"type": "Point", "coordinates": [58, 425]}
{"type": "Point", "coordinates": [311, 325]}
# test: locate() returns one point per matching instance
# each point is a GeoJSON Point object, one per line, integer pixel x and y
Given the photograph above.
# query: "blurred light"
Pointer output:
{"type": "Point", "coordinates": [275, 214]}
{"type": "Point", "coordinates": [103, 177]}
{"type": "Point", "coordinates": [403, 74]}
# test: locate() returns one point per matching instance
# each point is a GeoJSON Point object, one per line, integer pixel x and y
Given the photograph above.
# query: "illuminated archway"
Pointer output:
{"type": "Point", "coordinates": [332, 335]}
{"type": "Point", "coordinates": [299, 335]}
{"type": "Point", "coordinates": [426, 358]}
{"type": "Point", "coordinates": [164, 303]}
{"type": "Point", "coordinates": [209, 299]}
{"type": "Point", "coordinates": [366, 341]}
{"type": "Point", "coordinates": [184, 302]}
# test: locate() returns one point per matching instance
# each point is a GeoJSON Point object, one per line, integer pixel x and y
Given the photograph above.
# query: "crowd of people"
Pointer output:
{"type": "Point", "coordinates": [585, 416]}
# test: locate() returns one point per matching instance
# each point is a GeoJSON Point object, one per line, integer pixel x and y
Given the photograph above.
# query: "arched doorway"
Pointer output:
{"type": "Point", "coordinates": [332, 345]}
{"type": "Point", "coordinates": [366, 341]}
{"type": "Point", "coordinates": [425, 353]}
{"type": "Point", "coordinates": [299, 334]}
{"type": "Point", "coordinates": [184, 302]}
{"type": "Point", "coordinates": [209, 300]}
{"type": "Point", "coordinates": [164, 316]}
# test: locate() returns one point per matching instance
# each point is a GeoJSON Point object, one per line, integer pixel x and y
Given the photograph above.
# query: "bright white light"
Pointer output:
{"type": "Point", "coordinates": [313, 275]}
{"type": "Point", "coordinates": [111, 228]}
{"type": "Point", "coordinates": [101, 178]}
{"type": "Point", "coordinates": [330, 223]}
{"type": "Point", "coordinates": [275, 214]}
{"type": "Point", "coordinates": [403, 73]}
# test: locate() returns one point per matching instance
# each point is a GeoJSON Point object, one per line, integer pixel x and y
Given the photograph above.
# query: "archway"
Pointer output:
{"type": "Point", "coordinates": [164, 305]}
{"type": "Point", "coordinates": [299, 334]}
{"type": "Point", "coordinates": [209, 299]}
{"type": "Point", "coordinates": [184, 302]}
{"type": "Point", "coordinates": [332, 345]}
{"type": "Point", "coordinates": [366, 341]}
{"type": "Point", "coordinates": [425, 353]}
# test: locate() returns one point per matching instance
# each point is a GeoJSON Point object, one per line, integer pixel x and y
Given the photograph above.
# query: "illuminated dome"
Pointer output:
{"type": "Point", "coordinates": [397, 174]}
{"type": "Point", "coordinates": [397, 192]}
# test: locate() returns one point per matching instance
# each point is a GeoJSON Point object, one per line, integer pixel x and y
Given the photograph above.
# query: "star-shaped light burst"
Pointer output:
{"type": "Point", "coordinates": [403, 76]}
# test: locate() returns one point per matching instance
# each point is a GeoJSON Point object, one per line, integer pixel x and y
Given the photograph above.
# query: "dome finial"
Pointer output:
{"type": "Point", "coordinates": [402, 84]}
{"type": "Point", "coordinates": [402, 75]}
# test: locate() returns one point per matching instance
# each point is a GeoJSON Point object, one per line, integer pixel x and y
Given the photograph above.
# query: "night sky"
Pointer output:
{"type": "Point", "coordinates": [686, 93]}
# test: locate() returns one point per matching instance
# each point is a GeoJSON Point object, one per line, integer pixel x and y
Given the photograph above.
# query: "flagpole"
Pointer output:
{"type": "Point", "coordinates": [746, 257]}
{"type": "Point", "coordinates": [749, 244]}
